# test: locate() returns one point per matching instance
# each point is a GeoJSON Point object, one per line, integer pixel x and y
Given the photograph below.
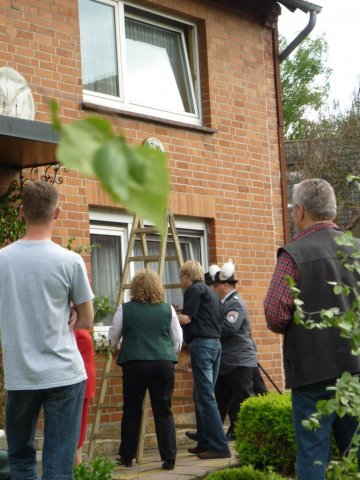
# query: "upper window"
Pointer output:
{"type": "Point", "coordinates": [139, 61]}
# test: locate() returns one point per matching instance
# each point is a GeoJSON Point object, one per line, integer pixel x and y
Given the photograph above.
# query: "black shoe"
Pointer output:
{"type": "Point", "coordinates": [191, 435]}
{"type": "Point", "coordinates": [168, 465]}
{"type": "Point", "coordinates": [125, 462]}
{"type": "Point", "coordinates": [210, 454]}
{"type": "Point", "coordinates": [195, 450]}
{"type": "Point", "coordinates": [230, 436]}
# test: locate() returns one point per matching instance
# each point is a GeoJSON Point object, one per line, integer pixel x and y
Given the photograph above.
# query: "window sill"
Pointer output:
{"type": "Point", "coordinates": [92, 107]}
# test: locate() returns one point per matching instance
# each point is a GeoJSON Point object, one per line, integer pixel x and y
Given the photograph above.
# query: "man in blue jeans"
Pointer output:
{"type": "Point", "coordinates": [42, 365]}
{"type": "Point", "coordinates": [313, 359]}
{"type": "Point", "coordinates": [200, 321]}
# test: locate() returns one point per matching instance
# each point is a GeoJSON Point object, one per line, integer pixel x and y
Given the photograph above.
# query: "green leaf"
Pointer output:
{"type": "Point", "coordinates": [338, 289]}
{"type": "Point", "coordinates": [111, 167]}
{"type": "Point", "coordinates": [80, 141]}
{"type": "Point", "coordinates": [136, 177]}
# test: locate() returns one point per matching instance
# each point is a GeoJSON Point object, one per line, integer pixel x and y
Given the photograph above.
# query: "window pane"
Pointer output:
{"type": "Point", "coordinates": [156, 69]}
{"type": "Point", "coordinates": [106, 268]}
{"type": "Point", "coordinates": [190, 247]}
{"type": "Point", "coordinates": [98, 47]}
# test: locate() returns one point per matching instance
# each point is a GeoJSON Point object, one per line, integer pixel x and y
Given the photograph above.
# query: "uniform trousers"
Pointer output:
{"type": "Point", "coordinates": [157, 376]}
{"type": "Point", "coordinates": [231, 390]}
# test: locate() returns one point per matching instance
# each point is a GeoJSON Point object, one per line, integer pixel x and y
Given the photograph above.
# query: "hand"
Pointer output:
{"type": "Point", "coordinates": [187, 366]}
{"type": "Point", "coordinates": [184, 319]}
{"type": "Point", "coordinates": [73, 318]}
{"type": "Point", "coordinates": [177, 308]}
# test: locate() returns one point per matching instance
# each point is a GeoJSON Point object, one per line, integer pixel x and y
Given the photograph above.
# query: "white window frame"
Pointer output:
{"type": "Point", "coordinates": [122, 102]}
{"type": "Point", "coordinates": [125, 225]}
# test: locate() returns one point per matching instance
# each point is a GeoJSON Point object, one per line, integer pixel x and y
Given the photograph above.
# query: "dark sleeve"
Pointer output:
{"type": "Point", "coordinates": [192, 299]}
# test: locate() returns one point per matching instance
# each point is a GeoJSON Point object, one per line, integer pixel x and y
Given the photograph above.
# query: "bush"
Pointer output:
{"type": "Point", "coordinates": [243, 473]}
{"type": "Point", "coordinates": [99, 469]}
{"type": "Point", "coordinates": [265, 435]}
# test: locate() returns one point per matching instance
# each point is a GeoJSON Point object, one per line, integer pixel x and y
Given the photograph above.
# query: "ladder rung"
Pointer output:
{"type": "Point", "coordinates": [181, 397]}
{"type": "Point", "coordinates": [144, 258]}
{"type": "Point", "coordinates": [185, 426]}
{"type": "Point", "coordinates": [111, 405]}
{"type": "Point", "coordinates": [114, 373]}
{"type": "Point", "coordinates": [173, 285]}
{"type": "Point", "coordinates": [181, 370]}
{"type": "Point", "coordinates": [107, 435]}
{"type": "Point", "coordinates": [151, 258]}
{"type": "Point", "coordinates": [146, 230]}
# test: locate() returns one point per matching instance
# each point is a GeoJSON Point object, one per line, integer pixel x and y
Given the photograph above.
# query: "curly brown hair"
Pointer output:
{"type": "Point", "coordinates": [146, 286]}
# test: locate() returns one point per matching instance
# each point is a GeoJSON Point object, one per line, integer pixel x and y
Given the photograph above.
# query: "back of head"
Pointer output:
{"type": "Point", "coordinates": [194, 270]}
{"type": "Point", "coordinates": [146, 286]}
{"type": "Point", "coordinates": [39, 200]}
{"type": "Point", "coordinates": [317, 197]}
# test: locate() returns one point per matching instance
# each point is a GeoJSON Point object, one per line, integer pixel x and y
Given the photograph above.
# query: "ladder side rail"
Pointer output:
{"type": "Point", "coordinates": [125, 273]}
{"type": "Point", "coordinates": [97, 417]}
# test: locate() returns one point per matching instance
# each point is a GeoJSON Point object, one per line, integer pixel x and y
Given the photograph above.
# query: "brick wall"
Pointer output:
{"type": "Point", "coordinates": [230, 177]}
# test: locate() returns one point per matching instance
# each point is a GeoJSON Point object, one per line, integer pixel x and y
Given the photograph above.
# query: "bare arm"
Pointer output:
{"type": "Point", "coordinates": [85, 315]}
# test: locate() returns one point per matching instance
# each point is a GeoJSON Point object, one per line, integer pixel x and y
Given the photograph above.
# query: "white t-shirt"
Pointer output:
{"type": "Point", "coordinates": [38, 280]}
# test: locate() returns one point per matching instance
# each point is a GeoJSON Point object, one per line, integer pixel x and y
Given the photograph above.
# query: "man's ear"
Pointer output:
{"type": "Point", "coordinates": [302, 212]}
{"type": "Point", "coordinates": [57, 213]}
{"type": "Point", "coordinates": [21, 213]}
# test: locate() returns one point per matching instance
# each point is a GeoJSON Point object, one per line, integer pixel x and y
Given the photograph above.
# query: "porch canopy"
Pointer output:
{"type": "Point", "coordinates": [26, 143]}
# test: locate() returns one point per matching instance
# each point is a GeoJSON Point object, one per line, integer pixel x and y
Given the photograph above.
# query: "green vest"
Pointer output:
{"type": "Point", "coordinates": [146, 333]}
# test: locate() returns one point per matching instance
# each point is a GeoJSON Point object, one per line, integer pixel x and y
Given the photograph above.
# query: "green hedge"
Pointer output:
{"type": "Point", "coordinates": [243, 473]}
{"type": "Point", "coordinates": [265, 434]}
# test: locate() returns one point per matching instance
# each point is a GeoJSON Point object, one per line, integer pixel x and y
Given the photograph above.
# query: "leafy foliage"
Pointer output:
{"type": "Point", "coordinates": [81, 249]}
{"type": "Point", "coordinates": [102, 307]}
{"type": "Point", "coordinates": [243, 473]}
{"type": "Point", "coordinates": [135, 176]}
{"type": "Point", "coordinates": [305, 84]}
{"type": "Point", "coordinates": [330, 149]}
{"type": "Point", "coordinates": [11, 227]}
{"type": "Point", "coordinates": [265, 434]}
{"type": "Point", "coordinates": [99, 469]}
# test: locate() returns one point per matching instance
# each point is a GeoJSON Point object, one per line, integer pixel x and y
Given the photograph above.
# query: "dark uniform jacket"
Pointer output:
{"type": "Point", "coordinates": [238, 347]}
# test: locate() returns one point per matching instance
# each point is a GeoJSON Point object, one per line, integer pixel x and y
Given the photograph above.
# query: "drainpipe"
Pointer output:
{"type": "Point", "coordinates": [306, 7]}
{"type": "Point", "coordinates": [313, 10]}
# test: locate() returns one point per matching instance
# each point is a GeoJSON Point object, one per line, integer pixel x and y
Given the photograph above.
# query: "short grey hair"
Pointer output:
{"type": "Point", "coordinates": [317, 197]}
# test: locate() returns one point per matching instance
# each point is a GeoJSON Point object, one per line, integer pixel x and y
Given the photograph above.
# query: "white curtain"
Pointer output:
{"type": "Point", "coordinates": [106, 267]}
{"type": "Point", "coordinates": [98, 47]}
{"type": "Point", "coordinates": [156, 69]}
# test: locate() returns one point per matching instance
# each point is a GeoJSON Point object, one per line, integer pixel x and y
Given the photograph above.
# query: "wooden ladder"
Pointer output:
{"type": "Point", "coordinates": [138, 231]}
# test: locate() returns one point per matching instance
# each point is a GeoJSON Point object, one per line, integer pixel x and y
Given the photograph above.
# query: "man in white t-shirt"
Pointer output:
{"type": "Point", "coordinates": [39, 280]}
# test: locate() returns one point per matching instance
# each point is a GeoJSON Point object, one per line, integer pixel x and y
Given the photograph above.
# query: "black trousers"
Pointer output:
{"type": "Point", "coordinates": [235, 387]}
{"type": "Point", "coordinates": [158, 377]}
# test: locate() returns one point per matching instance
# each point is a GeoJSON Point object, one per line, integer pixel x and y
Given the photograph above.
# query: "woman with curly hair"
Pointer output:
{"type": "Point", "coordinates": [151, 337]}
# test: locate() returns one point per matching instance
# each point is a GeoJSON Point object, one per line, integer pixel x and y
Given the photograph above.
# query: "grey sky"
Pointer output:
{"type": "Point", "coordinates": [339, 20]}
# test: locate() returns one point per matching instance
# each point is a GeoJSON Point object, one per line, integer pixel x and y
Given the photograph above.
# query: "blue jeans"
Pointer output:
{"type": "Point", "coordinates": [62, 415]}
{"type": "Point", "coordinates": [205, 360]}
{"type": "Point", "coordinates": [314, 446]}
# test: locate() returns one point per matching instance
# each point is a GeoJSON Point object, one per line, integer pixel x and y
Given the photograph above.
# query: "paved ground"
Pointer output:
{"type": "Point", "coordinates": [187, 466]}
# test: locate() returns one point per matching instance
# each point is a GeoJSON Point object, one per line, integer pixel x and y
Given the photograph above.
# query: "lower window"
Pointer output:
{"type": "Point", "coordinates": [109, 233]}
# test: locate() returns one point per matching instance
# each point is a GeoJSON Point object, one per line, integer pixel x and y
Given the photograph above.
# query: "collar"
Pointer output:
{"type": "Point", "coordinates": [315, 228]}
{"type": "Point", "coordinates": [228, 296]}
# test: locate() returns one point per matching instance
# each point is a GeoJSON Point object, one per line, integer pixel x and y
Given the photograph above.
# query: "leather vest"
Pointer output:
{"type": "Point", "coordinates": [312, 356]}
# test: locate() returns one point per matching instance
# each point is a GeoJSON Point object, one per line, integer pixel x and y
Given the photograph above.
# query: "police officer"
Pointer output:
{"type": "Point", "coordinates": [239, 369]}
